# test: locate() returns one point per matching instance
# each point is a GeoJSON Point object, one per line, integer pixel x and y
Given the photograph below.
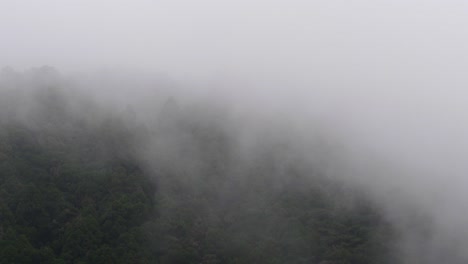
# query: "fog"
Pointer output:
{"type": "Point", "coordinates": [382, 82]}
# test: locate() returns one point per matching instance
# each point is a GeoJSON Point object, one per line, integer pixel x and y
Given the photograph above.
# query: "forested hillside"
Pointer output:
{"type": "Point", "coordinates": [83, 184]}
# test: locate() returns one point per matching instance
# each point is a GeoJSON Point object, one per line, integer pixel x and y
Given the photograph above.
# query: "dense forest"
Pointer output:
{"type": "Point", "coordinates": [81, 183]}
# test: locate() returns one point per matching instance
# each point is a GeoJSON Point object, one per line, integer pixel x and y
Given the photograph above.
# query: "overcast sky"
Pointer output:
{"type": "Point", "coordinates": [207, 36]}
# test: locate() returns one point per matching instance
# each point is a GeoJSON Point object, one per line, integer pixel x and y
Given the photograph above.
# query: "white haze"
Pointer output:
{"type": "Point", "coordinates": [387, 77]}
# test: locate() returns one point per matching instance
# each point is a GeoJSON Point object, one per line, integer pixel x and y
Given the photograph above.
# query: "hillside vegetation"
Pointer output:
{"type": "Point", "coordinates": [84, 184]}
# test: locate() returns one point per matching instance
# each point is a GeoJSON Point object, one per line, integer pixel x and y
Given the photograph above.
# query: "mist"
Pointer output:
{"type": "Point", "coordinates": [371, 92]}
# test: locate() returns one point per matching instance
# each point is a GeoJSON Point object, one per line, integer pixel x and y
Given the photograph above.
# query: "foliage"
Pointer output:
{"type": "Point", "coordinates": [75, 188]}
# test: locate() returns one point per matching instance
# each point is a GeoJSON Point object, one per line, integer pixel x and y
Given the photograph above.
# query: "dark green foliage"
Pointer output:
{"type": "Point", "coordinates": [272, 209]}
{"type": "Point", "coordinates": [68, 202]}
{"type": "Point", "coordinates": [73, 190]}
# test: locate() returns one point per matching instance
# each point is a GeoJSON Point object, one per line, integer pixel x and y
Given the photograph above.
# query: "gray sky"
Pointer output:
{"type": "Point", "coordinates": [208, 36]}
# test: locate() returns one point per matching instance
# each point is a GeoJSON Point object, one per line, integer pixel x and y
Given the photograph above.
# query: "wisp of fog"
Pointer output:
{"type": "Point", "coordinates": [372, 92]}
